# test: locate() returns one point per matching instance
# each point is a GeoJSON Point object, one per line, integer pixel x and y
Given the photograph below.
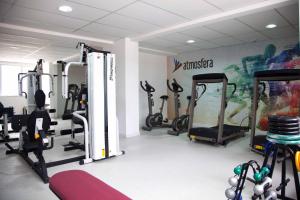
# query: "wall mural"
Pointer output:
{"type": "Point", "coordinates": [280, 98]}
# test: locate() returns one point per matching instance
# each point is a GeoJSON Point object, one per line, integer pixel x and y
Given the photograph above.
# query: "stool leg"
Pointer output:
{"type": "Point", "coordinates": [283, 173]}
{"type": "Point", "coordinates": [275, 154]}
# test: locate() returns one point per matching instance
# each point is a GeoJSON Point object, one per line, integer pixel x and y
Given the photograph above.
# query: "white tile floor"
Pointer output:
{"type": "Point", "coordinates": [156, 166]}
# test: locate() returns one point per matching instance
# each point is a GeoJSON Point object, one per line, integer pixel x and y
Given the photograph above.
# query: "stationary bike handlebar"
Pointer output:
{"type": "Point", "coordinates": [263, 84]}
{"type": "Point", "coordinates": [147, 87]}
{"type": "Point", "coordinates": [203, 90]}
{"type": "Point", "coordinates": [175, 86]}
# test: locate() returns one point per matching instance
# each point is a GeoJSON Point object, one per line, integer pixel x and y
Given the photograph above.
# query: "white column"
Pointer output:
{"type": "Point", "coordinates": [127, 77]}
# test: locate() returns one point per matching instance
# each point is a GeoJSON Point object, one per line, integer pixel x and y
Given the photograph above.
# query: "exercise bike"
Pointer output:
{"type": "Point", "coordinates": [180, 122]}
{"type": "Point", "coordinates": [156, 119]}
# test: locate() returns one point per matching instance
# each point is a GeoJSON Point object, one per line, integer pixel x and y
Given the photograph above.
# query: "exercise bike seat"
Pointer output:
{"type": "Point", "coordinates": [164, 97]}
{"type": "Point", "coordinates": [188, 97]}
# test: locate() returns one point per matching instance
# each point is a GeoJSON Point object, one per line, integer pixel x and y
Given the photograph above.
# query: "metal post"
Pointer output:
{"type": "Point", "coordinates": [222, 112]}
{"type": "Point", "coordinates": [254, 109]}
{"type": "Point", "coordinates": [193, 99]}
{"type": "Point", "coordinates": [150, 103]}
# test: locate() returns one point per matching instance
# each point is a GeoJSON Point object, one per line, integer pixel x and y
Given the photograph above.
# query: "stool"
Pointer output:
{"type": "Point", "coordinates": [285, 137]}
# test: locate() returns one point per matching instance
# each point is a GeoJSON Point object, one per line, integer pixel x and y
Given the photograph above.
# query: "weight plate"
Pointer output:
{"type": "Point", "coordinates": [284, 124]}
{"type": "Point", "coordinates": [285, 142]}
{"type": "Point", "coordinates": [283, 119]}
{"type": "Point", "coordinates": [284, 128]}
{"type": "Point", "coordinates": [283, 132]}
{"type": "Point", "coordinates": [283, 137]}
{"type": "Point", "coordinates": [297, 160]}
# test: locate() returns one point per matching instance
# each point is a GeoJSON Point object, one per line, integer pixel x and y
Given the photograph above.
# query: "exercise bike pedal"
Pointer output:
{"type": "Point", "coordinates": [174, 133]}
{"type": "Point", "coordinates": [147, 128]}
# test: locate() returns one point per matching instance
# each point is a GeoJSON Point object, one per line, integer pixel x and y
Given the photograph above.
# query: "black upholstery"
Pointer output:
{"type": "Point", "coordinates": [40, 98]}
{"type": "Point", "coordinates": [17, 121]}
{"type": "Point", "coordinates": [210, 76]}
{"type": "Point", "coordinates": [279, 72]}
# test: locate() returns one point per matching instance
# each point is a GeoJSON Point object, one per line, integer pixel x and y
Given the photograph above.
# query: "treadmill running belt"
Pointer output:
{"type": "Point", "coordinates": [212, 132]}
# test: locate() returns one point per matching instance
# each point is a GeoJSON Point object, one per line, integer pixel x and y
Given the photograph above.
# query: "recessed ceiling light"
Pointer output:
{"type": "Point", "coordinates": [190, 41]}
{"type": "Point", "coordinates": [13, 47]}
{"type": "Point", "coordinates": [65, 8]}
{"type": "Point", "coordinates": [271, 26]}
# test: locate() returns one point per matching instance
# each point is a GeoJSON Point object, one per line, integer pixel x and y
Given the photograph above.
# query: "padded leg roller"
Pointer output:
{"type": "Point", "coordinates": [79, 185]}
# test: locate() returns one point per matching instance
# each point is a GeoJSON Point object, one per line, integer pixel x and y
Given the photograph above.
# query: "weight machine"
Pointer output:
{"type": "Point", "coordinates": [6, 114]}
{"type": "Point", "coordinates": [34, 83]}
{"type": "Point", "coordinates": [101, 134]}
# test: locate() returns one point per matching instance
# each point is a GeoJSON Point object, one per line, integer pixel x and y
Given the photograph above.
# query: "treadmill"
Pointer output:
{"type": "Point", "coordinates": [258, 143]}
{"type": "Point", "coordinates": [221, 133]}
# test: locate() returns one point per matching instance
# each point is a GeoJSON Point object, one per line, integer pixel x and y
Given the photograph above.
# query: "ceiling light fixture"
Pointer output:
{"type": "Point", "coordinates": [65, 8]}
{"type": "Point", "coordinates": [271, 26]}
{"type": "Point", "coordinates": [13, 47]}
{"type": "Point", "coordinates": [190, 41]}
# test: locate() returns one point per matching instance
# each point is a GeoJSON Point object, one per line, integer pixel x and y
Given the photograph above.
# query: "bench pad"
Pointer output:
{"type": "Point", "coordinates": [80, 185]}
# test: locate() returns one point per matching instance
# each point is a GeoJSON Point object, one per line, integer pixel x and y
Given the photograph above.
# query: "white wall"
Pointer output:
{"type": "Point", "coordinates": [153, 68]}
{"type": "Point", "coordinates": [127, 74]}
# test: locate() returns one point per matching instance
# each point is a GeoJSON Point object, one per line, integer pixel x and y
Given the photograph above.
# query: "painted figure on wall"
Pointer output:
{"type": "Point", "coordinates": [282, 97]}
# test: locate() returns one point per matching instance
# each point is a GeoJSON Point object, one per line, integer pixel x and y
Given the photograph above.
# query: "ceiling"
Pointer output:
{"type": "Point", "coordinates": [116, 19]}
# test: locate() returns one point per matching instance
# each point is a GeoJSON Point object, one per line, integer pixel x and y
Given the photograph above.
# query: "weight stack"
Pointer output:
{"type": "Point", "coordinates": [284, 130]}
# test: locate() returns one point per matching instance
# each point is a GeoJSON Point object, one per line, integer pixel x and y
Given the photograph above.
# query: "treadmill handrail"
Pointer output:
{"type": "Point", "coordinates": [234, 88]}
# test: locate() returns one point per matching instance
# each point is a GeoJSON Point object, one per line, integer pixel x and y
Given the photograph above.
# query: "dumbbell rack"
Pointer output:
{"type": "Point", "coordinates": [285, 136]}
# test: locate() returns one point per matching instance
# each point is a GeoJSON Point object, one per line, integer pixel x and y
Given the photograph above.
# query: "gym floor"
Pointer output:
{"type": "Point", "coordinates": [156, 166]}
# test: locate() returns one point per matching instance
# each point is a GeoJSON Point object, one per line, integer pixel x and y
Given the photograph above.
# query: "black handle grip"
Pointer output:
{"type": "Point", "coordinates": [142, 86]}
{"type": "Point", "coordinates": [203, 89]}
{"type": "Point", "coordinates": [177, 86]}
{"type": "Point", "coordinates": [25, 94]}
{"type": "Point", "coordinates": [169, 87]}
{"type": "Point", "coordinates": [49, 94]}
{"type": "Point", "coordinates": [149, 87]}
{"type": "Point", "coordinates": [263, 84]}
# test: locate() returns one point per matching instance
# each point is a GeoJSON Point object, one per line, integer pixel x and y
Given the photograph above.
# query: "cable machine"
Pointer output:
{"type": "Point", "coordinates": [34, 83]}
{"type": "Point", "coordinates": [99, 118]}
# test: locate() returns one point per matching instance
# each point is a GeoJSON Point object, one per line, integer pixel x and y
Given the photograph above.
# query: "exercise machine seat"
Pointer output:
{"type": "Point", "coordinates": [165, 97]}
{"type": "Point", "coordinates": [188, 97]}
{"type": "Point", "coordinates": [80, 185]}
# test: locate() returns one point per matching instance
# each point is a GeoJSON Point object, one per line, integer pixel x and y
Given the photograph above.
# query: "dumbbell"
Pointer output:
{"type": "Point", "coordinates": [271, 195]}
{"type": "Point", "coordinates": [259, 188]}
{"type": "Point", "coordinates": [230, 192]}
{"type": "Point", "coordinates": [259, 176]}
{"type": "Point", "coordinates": [238, 170]}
